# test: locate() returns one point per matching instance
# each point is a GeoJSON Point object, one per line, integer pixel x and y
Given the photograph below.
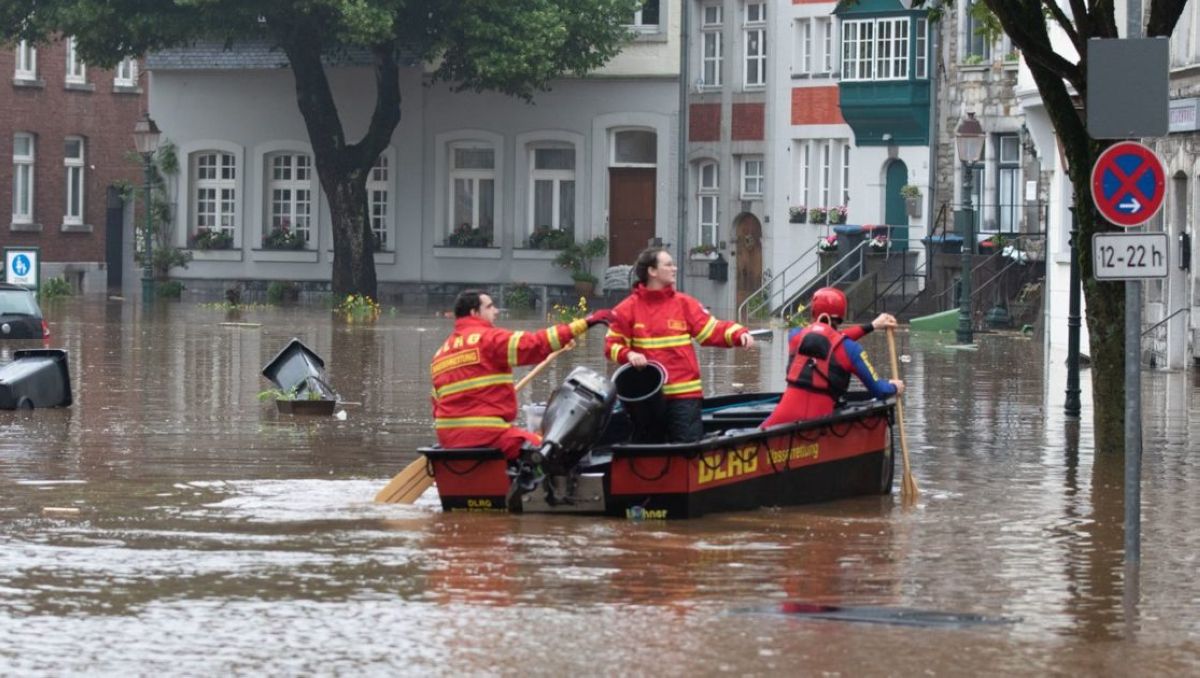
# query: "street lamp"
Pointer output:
{"type": "Point", "coordinates": [969, 140]}
{"type": "Point", "coordinates": [145, 139]}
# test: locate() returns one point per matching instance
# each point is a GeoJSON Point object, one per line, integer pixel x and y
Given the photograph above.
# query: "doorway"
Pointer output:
{"type": "Point", "coordinates": [895, 210]}
{"type": "Point", "coordinates": [748, 230]}
{"type": "Point", "coordinates": [631, 205]}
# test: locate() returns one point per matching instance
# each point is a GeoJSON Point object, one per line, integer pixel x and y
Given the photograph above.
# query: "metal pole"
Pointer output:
{"type": "Point", "coordinates": [1133, 421]}
{"type": "Point", "coordinates": [1072, 407]}
{"type": "Point", "coordinates": [964, 333]}
{"type": "Point", "coordinates": [682, 168]}
{"type": "Point", "coordinates": [148, 240]}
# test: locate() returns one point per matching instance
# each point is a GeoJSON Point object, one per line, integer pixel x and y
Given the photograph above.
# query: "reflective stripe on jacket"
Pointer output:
{"type": "Point", "coordinates": [662, 324]}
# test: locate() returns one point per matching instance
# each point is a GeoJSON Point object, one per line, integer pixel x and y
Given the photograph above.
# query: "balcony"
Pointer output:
{"type": "Point", "coordinates": [899, 108]}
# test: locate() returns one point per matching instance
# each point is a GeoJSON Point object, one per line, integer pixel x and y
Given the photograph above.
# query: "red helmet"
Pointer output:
{"type": "Point", "coordinates": [829, 301]}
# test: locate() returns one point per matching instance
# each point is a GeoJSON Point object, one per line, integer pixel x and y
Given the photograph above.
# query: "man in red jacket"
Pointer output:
{"type": "Point", "coordinates": [657, 323]}
{"type": "Point", "coordinates": [474, 402]}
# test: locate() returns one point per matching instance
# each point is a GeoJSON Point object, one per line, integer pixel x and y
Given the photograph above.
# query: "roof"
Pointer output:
{"type": "Point", "coordinates": [248, 54]}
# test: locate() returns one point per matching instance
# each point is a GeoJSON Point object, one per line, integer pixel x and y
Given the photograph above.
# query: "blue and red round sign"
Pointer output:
{"type": "Point", "coordinates": [1128, 184]}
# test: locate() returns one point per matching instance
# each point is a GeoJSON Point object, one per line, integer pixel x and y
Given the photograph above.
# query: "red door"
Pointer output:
{"type": "Point", "coordinates": [631, 202]}
{"type": "Point", "coordinates": [749, 256]}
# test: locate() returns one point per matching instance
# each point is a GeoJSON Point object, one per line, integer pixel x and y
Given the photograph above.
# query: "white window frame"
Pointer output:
{"type": "Point", "coordinates": [223, 184]}
{"type": "Point", "coordinates": [968, 40]}
{"type": "Point", "coordinates": [291, 197]}
{"type": "Point", "coordinates": [826, 159]}
{"type": "Point", "coordinates": [476, 177]}
{"type": "Point", "coordinates": [921, 40]}
{"type": "Point", "coordinates": [708, 194]}
{"type": "Point", "coordinates": [23, 179]}
{"type": "Point", "coordinates": [557, 179]}
{"type": "Point", "coordinates": [126, 72]}
{"type": "Point", "coordinates": [711, 36]}
{"type": "Point", "coordinates": [827, 45]}
{"type": "Point", "coordinates": [753, 177]}
{"type": "Point", "coordinates": [846, 173]}
{"type": "Point", "coordinates": [639, 23]}
{"type": "Point", "coordinates": [891, 49]}
{"type": "Point", "coordinates": [717, 18]}
{"type": "Point", "coordinates": [379, 198]}
{"type": "Point", "coordinates": [614, 162]}
{"type": "Point", "coordinates": [1008, 170]}
{"type": "Point", "coordinates": [754, 65]}
{"type": "Point", "coordinates": [76, 69]}
{"type": "Point", "coordinates": [805, 51]}
{"type": "Point", "coordinates": [75, 186]}
{"type": "Point", "coordinates": [805, 156]}
{"type": "Point", "coordinates": [26, 61]}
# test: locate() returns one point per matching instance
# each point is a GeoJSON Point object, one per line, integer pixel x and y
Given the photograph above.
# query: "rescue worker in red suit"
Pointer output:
{"type": "Point", "coordinates": [474, 402]}
{"type": "Point", "coordinates": [822, 360]}
{"type": "Point", "coordinates": [658, 323]}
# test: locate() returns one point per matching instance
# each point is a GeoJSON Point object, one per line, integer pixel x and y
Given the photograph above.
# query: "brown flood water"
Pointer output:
{"type": "Point", "coordinates": [217, 536]}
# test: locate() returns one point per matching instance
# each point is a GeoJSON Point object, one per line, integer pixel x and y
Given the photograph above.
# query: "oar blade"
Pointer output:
{"type": "Point", "coordinates": [408, 485]}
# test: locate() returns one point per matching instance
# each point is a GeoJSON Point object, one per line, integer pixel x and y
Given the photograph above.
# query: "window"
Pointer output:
{"type": "Point", "coordinates": [23, 158]}
{"type": "Point", "coordinates": [126, 74]}
{"type": "Point", "coordinates": [708, 203]}
{"type": "Point", "coordinates": [891, 61]}
{"type": "Point", "coordinates": [921, 68]}
{"type": "Point", "coordinates": [712, 15]}
{"type": "Point", "coordinates": [826, 45]}
{"type": "Point", "coordinates": [805, 47]}
{"type": "Point", "coordinates": [752, 178]}
{"type": "Point", "coordinates": [289, 189]}
{"type": "Point", "coordinates": [756, 45]}
{"type": "Point", "coordinates": [826, 152]}
{"type": "Point", "coordinates": [472, 194]}
{"type": "Point", "coordinates": [553, 185]}
{"type": "Point", "coordinates": [646, 18]}
{"type": "Point", "coordinates": [377, 197]}
{"type": "Point", "coordinates": [1008, 175]}
{"type": "Point", "coordinates": [977, 205]}
{"type": "Point", "coordinates": [846, 174]}
{"type": "Point", "coordinates": [214, 192]}
{"type": "Point", "coordinates": [73, 163]}
{"type": "Point", "coordinates": [802, 173]}
{"type": "Point", "coordinates": [26, 61]}
{"type": "Point", "coordinates": [635, 148]}
{"type": "Point", "coordinates": [976, 47]}
{"type": "Point", "coordinates": [76, 71]}
{"type": "Point", "coordinates": [858, 50]}
{"type": "Point", "coordinates": [711, 53]}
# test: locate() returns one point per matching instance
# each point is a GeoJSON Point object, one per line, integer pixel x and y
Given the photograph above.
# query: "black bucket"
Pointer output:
{"type": "Point", "coordinates": [640, 393]}
{"type": "Point", "coordinates": [35, 378]}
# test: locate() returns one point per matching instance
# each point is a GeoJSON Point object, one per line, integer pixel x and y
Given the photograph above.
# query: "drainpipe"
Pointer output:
{"type": "Point", "coordinates": [935, 70]}
{"type": "Point", "coordinates": [682, 169]}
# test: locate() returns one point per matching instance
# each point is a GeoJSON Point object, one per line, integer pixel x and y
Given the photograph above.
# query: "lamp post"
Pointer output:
{"type": "Point", "coordinates": [969, 141]}
{"type": "Point", "coordinates": [145, 139]}
{"type": "Point", "coordinates": [1072, 406]}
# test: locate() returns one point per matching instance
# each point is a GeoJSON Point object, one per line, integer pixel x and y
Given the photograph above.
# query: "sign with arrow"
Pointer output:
{"type": "Point", "coordinates": [1128, 184]}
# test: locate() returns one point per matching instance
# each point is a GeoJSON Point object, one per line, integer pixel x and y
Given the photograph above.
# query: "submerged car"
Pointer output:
{"type": "Point", "coordinates": [20, 315]}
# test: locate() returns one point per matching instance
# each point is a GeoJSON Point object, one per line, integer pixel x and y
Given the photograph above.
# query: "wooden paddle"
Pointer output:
{"type": "Point", "coordinates": [409, 484]}
{"type": "Point", "coordinates": [908, 487]}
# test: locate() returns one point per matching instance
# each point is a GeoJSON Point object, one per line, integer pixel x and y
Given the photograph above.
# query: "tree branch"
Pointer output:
{"type": "Point", "coordinates": [387, 107]}
{"type": "Point", "coordinates": [1065, 23]}
{"type": "Point", "coordinates": [1164, 14]}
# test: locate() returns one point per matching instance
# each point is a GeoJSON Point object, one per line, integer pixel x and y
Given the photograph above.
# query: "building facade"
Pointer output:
{"type": "Point", "coordinates": [65, 134]}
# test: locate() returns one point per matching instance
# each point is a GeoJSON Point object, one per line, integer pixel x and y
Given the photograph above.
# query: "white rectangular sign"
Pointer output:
{"type": "Point", "coordinates": [21, 266]}
{"type": "Point", "coordinates": [1129, 256]}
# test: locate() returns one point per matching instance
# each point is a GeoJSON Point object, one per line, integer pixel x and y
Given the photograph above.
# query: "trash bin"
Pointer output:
{"type": "Point", "coordinates": [36, 378]}
{"type": "Point", "coordinates": [298, 369]}
{"type": "Point", "coordinates": [945, 243]}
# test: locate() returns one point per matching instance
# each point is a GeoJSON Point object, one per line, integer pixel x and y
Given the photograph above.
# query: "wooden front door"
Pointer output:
{"type": "Point", "coordinates": [749, 256]}
{"type": "Point", "coordinates": [631, 203]}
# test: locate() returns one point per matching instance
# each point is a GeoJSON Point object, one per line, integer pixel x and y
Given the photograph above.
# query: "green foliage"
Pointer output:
{"type": "Point", "coordinates": [54, 288]}
{"type": "Point", "coordinates": [212, 239]}
{"type": "Point", "coordinates": [293, 394]}
{"type": "Point", "coordinates": [565, 314]}
{"type": "Point", "coordinates": [358, 308]}
{"type": "Point", "coordinates": [465, 236]}
{"type": "Point", "coordinates": [703, 249]}
{"type": "Point", "coordinates": [578, 258]}
{"type": "Point", "coordinates": [519, 297]}
{"type": "Point", "coordinates": [166, 258]}
{"type": "Point", "coordinates": [170, 289]}
{"type": "Point", "coordinates": [546, 238]}
{"type": "Point", "coordinates": [282, 237]}
{"type": "Point", "coordinates": [281, 291]}
{"type": "Point", "coordinates": [910, 192]}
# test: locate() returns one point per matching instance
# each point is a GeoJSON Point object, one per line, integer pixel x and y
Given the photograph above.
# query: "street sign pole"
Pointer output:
{"type": "Point", "coordinates": [1133, 422]}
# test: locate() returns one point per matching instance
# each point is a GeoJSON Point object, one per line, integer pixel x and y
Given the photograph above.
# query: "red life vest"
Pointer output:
{"type": "Point", "coordinates": [816, 367]}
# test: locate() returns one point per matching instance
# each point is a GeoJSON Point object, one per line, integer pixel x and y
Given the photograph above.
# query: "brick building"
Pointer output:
{"type": "Point", "coordinates": [65, 136]}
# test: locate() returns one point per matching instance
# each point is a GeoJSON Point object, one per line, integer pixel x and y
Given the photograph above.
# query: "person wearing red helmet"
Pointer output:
{"type": "Point", "coordinates": [822, 360]}
{"type": "Point", "coordinates": [657, 323]}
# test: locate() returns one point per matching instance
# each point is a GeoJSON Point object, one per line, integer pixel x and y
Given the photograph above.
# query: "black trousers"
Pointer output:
{"type": "Point", "coordinates": [678, 420]}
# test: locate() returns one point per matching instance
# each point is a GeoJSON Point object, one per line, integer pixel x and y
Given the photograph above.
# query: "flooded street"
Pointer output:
{"type": "Point", "coordinates": [218, 536]}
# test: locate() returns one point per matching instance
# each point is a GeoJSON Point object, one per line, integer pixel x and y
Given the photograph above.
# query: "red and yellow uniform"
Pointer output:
{"type": "Point", "coordinates": [474, 402]}
{"type": "Point", "coordinates": [661, 325]}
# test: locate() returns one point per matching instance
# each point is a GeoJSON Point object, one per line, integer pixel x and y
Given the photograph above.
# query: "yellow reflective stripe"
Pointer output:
{"type": "Point", "coordinates": [474, 383]}
{"type": "Point", "coordinates": [709, 327]}
{"type": "Point", "coordinates": [731, 331]}
{"type": "Point", "coordinates": [552, 335]}
{"type": "Point", "coordinates": [662, 342]}
{"type": "Point", "coordinates": [870, 367]}
{"type": "Point", "coordinates": [578, 326]}
{"type": "Point", "coordinates": [682, 387]}
{"type": "Point", "coordinates": [470, 422]}
{"type": "Point", "coordinates": [513, 342]}
{"type": "Point", "coordinates": [616, 335]}
{"type": "Point", "coordinates": [614, 353]}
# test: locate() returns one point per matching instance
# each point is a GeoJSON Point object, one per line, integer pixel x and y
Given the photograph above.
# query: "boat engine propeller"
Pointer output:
{"type": "Point", "coordinates": [574, 419]}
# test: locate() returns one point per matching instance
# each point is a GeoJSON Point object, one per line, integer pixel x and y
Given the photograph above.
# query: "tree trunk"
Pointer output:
{"type": "Point", "coordinates": [353, 251]}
